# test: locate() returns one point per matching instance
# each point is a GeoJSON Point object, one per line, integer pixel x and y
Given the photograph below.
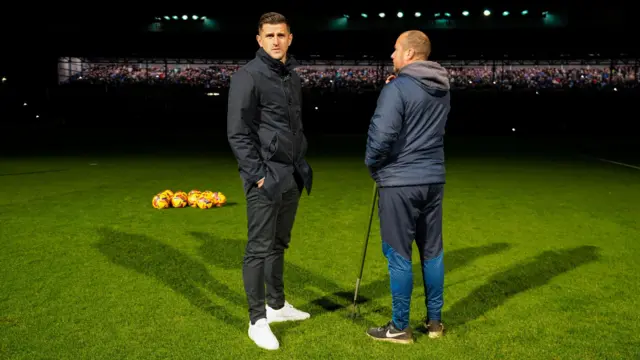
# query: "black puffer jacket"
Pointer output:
{"type": "Point", "coordinates": [264, 124]}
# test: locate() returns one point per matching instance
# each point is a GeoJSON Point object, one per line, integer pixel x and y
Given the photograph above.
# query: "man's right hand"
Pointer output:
{"type": "Point", "coordinates": [260, 183]}
{"type": "Point", "coordinates": [391, 77]}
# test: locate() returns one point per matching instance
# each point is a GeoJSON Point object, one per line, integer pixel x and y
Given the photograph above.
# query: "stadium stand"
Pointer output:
{"type": "Point", "coordinates": [503, 77]}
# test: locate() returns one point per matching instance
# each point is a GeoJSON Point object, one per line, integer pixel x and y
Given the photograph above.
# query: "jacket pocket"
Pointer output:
{"type": "Point", "coordinates": [271, 188]}
{"type": "Point", "coordinates": [268, 143]}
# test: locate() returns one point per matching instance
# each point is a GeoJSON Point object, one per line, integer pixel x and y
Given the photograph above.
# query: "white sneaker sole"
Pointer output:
{"type": "Point", "coordinates": [264, 346]}
{"type": "Point", "coordinates": [285, 319]}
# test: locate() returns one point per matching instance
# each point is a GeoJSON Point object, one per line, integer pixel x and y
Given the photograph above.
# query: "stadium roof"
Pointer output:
{"type": "Point", "coordinates": [53, 16]}
{"type": "Point", "coordinates": [230, 28]}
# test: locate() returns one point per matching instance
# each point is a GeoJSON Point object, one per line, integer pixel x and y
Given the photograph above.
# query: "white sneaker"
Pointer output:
{"type": "Point", "coordinates": [287, 313]}
{"type": "Point", "coordinates": [261, 334]}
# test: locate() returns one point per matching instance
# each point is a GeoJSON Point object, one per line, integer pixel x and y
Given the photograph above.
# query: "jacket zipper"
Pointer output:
{"type": "Point", "coordinates": [293, 143]}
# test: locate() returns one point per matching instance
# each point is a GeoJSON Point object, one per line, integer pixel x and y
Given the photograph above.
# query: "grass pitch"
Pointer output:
{"type": "Point", "coordinates": [541, 262]}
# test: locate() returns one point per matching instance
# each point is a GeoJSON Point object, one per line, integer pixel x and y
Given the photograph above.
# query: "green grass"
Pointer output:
{"type": "Point", "coordinates": [541, 262]}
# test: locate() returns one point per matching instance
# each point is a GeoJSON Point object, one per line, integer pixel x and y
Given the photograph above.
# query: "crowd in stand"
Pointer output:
{"type": "Point", "coordinates": [544, 77]}
{"type": "Point", "coordinates": [364, 78]}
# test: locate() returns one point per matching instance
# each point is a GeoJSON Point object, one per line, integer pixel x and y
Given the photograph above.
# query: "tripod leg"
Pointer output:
{"type": "Point", "coordinates": [364, 250]}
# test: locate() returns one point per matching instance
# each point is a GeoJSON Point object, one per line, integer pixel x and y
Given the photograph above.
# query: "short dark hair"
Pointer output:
{"type": "Point", "coordinates": [273, 18]}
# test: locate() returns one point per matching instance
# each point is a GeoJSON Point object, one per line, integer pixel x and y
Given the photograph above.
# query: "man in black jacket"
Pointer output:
{"type": "Point", "coordinates": [264, 129]}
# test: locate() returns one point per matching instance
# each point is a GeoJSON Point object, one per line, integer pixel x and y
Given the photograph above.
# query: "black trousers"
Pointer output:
{"type": "Point", "coordinates": [269, 233]}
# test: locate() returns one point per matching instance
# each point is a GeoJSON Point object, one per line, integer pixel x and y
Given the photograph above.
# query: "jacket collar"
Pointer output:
{"type": "Point", "coordinates": [276, 65]}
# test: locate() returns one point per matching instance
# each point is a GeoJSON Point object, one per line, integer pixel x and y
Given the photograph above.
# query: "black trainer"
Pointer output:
{"type": "Point", "coordinates": [435, 328]}
{"type": "Point", "coordinates": [391, 334]}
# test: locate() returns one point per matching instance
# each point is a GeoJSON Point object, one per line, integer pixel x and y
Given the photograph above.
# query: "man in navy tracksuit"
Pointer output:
{"type": "Point", "coordinates": [405, 157]}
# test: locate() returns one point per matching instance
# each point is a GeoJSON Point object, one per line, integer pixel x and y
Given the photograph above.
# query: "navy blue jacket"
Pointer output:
{"type": "Point", "coordinates": [405, 144]}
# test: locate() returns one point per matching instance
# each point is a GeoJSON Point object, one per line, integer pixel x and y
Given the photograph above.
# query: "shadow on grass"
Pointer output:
{"type": "Point", "coordinates": [330, 297]}
{"type": "Point", "coordinates": [306, 290]}
{"type": "Point", "coordinates": [453, 260]}
{"type": "Point", "coordinates": [519, 278]}
{"type": "Point", "coordinates": [230, 203]}
{"type": "Point", "coordinates": [34, 172]}
{"type": "Point", "coordinates": [176, 270]}
{"type": "Point", "coordinates": [229, 253]}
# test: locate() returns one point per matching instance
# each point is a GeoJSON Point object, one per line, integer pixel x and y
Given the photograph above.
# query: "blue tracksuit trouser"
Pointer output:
{"type": "Point", "coordinates": [409, 213]}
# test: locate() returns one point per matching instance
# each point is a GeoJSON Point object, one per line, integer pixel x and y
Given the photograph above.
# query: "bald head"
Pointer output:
{"type": "Point", "coordinates": [410, 46]}
{"type": "Point", "coordinates": [418, 41]}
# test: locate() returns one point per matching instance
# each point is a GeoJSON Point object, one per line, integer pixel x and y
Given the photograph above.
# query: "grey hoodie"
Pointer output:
{"type": "Point", "coordinates": [429, 73]}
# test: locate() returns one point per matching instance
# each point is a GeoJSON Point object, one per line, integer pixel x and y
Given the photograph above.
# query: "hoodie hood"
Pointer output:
{"type": "Point", "coordinates": [428, 73]}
